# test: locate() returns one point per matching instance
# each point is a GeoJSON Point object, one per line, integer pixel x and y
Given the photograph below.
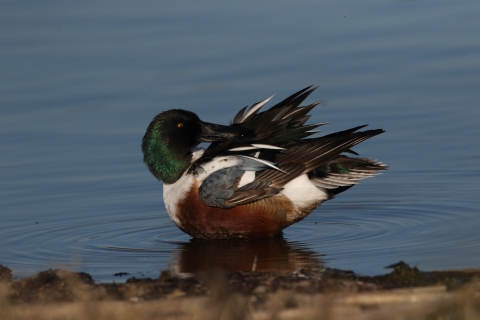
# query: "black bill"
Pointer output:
{"type": "Point", "coordinates": [216, 132]}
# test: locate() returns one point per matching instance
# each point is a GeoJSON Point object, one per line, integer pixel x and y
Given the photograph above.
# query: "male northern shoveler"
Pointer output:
{"type": "Point", "coordinates": [258, 176]}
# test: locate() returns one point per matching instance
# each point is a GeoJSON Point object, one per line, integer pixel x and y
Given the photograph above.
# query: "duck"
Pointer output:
{"type": "Point", "coordinates": [260, 174]}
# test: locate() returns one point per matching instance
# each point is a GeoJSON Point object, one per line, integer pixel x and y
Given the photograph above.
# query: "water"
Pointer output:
{"type": "Point", "coordinates": [80, 82]}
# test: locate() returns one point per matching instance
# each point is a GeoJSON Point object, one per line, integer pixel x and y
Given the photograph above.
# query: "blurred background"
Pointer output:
{"type": "Point", "coordinates": [80, 81]}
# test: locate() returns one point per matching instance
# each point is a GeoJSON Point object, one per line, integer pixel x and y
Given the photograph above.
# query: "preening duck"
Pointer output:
{"type": "Point", "coordinates": [259, 175]}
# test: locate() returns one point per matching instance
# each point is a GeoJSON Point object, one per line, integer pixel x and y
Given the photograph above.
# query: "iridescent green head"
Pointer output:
{"type": "Point", "coordinates": [170, 137]}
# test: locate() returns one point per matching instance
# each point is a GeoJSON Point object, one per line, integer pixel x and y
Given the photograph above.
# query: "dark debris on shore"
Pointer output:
{"type": "Point", "coordinates": [62, 285]}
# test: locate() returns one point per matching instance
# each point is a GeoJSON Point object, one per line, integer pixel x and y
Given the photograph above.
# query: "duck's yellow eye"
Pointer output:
{"type": "Point", "coordinates": [179, 125]}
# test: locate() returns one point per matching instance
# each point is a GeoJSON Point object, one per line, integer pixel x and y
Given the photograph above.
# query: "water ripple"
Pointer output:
{"type": "Point", "coordinates": [356, 235]}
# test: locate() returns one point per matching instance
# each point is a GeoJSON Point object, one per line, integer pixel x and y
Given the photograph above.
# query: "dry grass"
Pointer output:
{"type": "Point", "coordinates": [418, 303]}
{"type": "Point", "coordinates": [62, 295]}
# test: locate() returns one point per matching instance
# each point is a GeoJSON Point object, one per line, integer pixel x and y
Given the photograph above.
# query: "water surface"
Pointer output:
{"type": "Point", "coordinates": [81, 81]}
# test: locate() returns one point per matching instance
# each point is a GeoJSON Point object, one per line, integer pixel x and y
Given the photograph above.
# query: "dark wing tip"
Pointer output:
{"type": "Point", "coordinates": [239, 116]}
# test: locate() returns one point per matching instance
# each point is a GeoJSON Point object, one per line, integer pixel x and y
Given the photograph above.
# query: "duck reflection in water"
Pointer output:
{"type": "Point", "coordinates": [273, 255]}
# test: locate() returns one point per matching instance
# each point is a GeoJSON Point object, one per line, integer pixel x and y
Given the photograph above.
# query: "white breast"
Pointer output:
{"type": "Point", "coordinates": [176, 192]}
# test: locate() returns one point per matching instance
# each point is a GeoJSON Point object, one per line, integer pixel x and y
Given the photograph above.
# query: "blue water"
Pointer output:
{"type": "Point", "coordinates": [80, 81]}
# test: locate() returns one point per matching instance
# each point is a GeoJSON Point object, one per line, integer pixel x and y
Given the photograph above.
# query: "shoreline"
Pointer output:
{"type": "Point", "coordinates": [405, 292]}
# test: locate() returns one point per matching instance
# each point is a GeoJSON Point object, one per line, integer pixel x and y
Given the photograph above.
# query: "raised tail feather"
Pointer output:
{"type": "Point", "coordinates": [343, 173]}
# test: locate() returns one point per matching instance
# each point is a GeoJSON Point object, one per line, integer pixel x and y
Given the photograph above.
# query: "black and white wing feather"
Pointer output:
{"type": "Point", "coordinates": [279, 139]}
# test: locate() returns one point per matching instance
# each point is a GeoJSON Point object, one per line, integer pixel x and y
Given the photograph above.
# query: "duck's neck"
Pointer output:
{"type": "Point", "coordinates": [162, 163]}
